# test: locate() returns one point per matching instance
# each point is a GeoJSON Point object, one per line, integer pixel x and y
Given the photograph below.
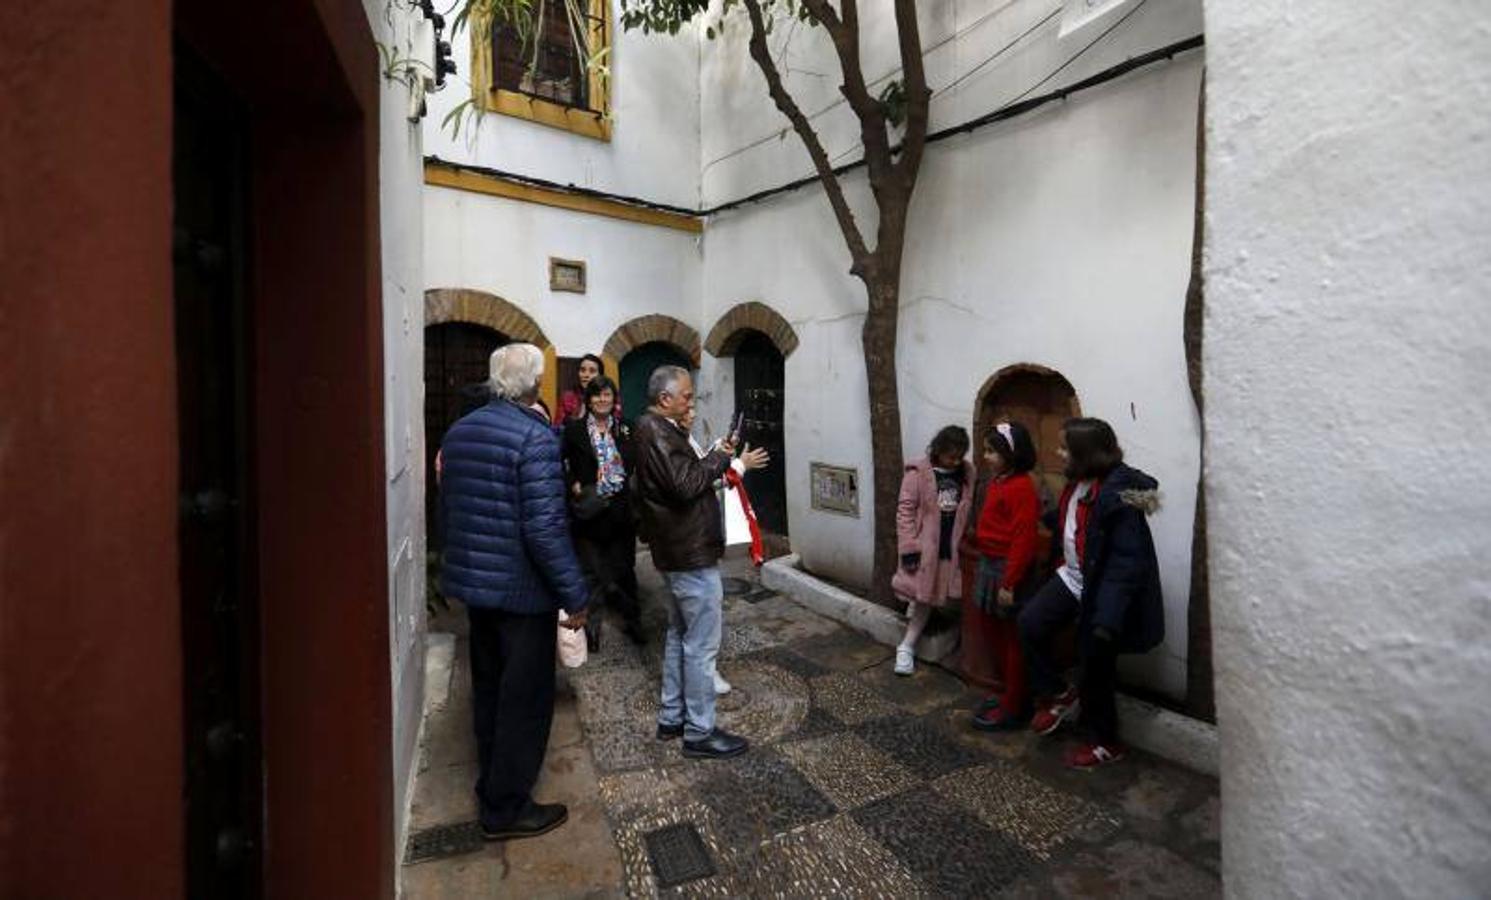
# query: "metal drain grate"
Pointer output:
{"type": "Point", "coordinates": [442, 841]}
{"type": "Point", "coordinates": [737, 587]}
{"type": "Point", "coordinates": [678, 855]}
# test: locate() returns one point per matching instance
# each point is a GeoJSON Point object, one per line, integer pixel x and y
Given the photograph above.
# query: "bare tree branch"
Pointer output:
{"type": "Point", "coordinates": [872, 132]}
{"type": "Point", "coordinates": [918, 97]}
{"type": "Point", "coordinates": [761, 53]}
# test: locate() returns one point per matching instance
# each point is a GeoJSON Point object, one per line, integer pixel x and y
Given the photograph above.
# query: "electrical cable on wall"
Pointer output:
{"type": "Point", "coordinates": [1008, 111]}
{"type": "Point", "coordinates": [966, 30]}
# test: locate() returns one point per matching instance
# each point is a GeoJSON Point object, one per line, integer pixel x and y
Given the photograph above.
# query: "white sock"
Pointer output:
{"type": "Point", "coordinates": [915, 623]}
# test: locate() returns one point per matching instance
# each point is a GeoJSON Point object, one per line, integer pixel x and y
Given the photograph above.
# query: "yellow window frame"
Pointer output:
{"type": "Point", "coordinates": [592, 123]}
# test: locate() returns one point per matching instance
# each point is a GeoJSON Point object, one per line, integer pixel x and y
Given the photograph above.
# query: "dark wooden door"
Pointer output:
{"type": "Point", "coordinates": [457, 368]}
{"type": "Point", "coordinates": [759, 391]}
{"type": "Point", "coordinates": [219, 610]}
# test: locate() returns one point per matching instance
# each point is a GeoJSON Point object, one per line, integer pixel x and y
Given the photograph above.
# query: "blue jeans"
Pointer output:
{"type": "Point", "coordinates": [689, 653]}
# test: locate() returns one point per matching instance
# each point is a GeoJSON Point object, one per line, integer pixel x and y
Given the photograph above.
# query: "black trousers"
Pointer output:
{"type": "Point", "coordinates": [512, 687]}
{"type": "Point", "coordinates": [609, 560]}
{"type": "Point", "coordinates": [1051, 609]}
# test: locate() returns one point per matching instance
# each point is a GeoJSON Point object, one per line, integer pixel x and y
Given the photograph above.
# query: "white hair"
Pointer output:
{"type": "Point", "coordinates": [516, 370]}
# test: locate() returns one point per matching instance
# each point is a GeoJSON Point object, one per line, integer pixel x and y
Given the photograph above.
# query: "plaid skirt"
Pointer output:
{"type": "Point", "coordinates": [986, 581]}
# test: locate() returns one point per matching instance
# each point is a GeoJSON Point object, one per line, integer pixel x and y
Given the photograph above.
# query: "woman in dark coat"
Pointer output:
{"type": "Point", "coordinates": [598, 464]}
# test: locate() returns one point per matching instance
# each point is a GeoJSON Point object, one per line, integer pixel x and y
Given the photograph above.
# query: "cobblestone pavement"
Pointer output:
{"type": "Point", "coordinates": [863, 784]}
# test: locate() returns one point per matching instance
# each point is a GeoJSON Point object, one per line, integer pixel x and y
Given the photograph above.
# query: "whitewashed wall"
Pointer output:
{"type": "Point", "coordinates": [1348, 346]}
{"type": "Point", "coordinates": [400, 171]}
{"type": "Point", "coordinates": [503, 247]}
{"type": "Point", "coordinates": [654, 148]}
{"type": "Point", "coordinates": [1062, 238]}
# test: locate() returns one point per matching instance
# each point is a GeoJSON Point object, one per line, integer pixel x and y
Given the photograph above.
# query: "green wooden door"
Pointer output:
{"type": "Point", "coordinates": [637, 365]}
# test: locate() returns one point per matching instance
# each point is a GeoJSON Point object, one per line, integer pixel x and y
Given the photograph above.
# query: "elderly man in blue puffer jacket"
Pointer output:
{"type": "Point", "coordinates": [509, 559]}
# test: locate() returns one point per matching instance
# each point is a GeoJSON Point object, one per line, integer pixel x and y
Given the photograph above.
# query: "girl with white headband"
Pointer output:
{"type": "Point", "coordinates": [1006, 540]}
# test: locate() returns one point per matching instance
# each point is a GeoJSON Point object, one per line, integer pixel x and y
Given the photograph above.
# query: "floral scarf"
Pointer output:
{"type": "Point", "coordinates": [611, 476]}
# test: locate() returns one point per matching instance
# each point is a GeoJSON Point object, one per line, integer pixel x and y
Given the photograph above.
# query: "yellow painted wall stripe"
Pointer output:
{"type": "Point", "coordinates": [495, 186]}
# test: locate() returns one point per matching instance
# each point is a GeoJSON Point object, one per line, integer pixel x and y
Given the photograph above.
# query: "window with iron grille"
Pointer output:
{"type": "Point", "coordinates": [549, 64]}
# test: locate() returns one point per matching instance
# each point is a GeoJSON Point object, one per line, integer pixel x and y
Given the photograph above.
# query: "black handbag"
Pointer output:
{"type": "Point", "coordinates": [588, 504]}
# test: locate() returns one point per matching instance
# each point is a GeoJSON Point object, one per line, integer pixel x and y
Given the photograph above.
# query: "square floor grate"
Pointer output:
{"type": "Point", "coordinates": [442, 841]}
{"type": "Point", "coordinates": [678, 855]}
{"type": "Point", "coordinates": [737, 587]}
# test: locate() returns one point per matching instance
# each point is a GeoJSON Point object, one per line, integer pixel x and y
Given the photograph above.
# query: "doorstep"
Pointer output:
{"type": "Point", "coordinates": [1181, 739]}
{"type": "Point", "coordinates": [785, 575]}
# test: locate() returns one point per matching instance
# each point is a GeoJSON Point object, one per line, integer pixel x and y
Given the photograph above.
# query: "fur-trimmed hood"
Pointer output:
{"type": "Point", "coordinates": [1131, 487]}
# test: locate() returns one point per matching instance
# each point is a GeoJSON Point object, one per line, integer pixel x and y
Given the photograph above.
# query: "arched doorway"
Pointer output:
{"type": "Point", "coordinates": [636, 367]}
{"type": "Point", "coordinates": [1041, 399]}
{"type": "Point", "coordinates": [457, 356]}
{"type": "Point", "coordinates": [759, 392]}
{"type": "Point", "coordinates": [760, 339]}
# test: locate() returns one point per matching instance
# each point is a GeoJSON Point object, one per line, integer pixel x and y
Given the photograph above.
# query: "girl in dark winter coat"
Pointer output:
{"type": "Point", "coordinates": [1006, 538]}
{"type": "Point", "coordinates": [1107, 579]}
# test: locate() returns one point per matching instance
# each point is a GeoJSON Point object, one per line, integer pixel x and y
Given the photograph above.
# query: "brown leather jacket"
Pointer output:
{"type": "Point", "coordinates": [673, 493]}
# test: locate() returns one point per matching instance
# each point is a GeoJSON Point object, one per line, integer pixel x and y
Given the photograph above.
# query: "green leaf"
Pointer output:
{"type": "Point", "coordinates": [893, 102]}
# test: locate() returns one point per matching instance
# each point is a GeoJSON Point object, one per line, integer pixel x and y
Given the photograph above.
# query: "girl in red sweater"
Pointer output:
{"type": "Point", "coordinates": [1006, 537]}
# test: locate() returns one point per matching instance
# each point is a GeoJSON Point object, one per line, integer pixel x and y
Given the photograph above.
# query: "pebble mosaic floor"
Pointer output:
{"type": "Point", "coordinates": [863, 784]}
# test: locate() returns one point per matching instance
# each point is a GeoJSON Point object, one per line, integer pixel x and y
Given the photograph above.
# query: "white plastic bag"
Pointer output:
{"type": "Point", "coordinates": [572, 649]}
{"type": "Point", "coordinates": [737, 527]}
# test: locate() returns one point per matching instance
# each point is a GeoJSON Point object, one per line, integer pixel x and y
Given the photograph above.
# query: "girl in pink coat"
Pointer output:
{"type": "Point", "coordinates": [936, 493]}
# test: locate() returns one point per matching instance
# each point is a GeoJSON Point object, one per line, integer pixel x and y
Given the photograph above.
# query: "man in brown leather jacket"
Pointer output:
{"type": "Point", "coordinates": [680, 518]}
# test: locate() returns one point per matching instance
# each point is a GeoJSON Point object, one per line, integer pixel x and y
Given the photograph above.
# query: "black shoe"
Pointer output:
{"type": "Point", "coordinates": [669, 732]}
{"type": "Point", "coordinates": [719, 745]}
{"type": "Point", "coordinates": [539, 818]}
{"type": "Point", "coordinates": [593, 637]}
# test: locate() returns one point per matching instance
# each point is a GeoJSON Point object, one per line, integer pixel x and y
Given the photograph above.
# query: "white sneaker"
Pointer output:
{"type": "Point", "coordinates": [721, 686]}
{"type": "Point", "coordinates": [905, 661]}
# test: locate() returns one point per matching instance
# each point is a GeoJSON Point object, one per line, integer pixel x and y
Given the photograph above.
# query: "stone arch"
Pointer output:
{"type": "Point", "coordinates": [650, 328]}
{"type": "Point", "coordinates": [481, 308]}
{"type": "Point", "coordinates": [726, 335]}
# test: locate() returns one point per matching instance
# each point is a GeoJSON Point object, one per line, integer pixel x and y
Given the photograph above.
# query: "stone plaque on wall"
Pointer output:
{"type": "Point", "coordinates": [566, 275]}
{"type": "Point", "coordinates": [834, 489]}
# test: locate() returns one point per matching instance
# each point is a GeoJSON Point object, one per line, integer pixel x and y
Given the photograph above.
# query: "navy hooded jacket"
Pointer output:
{"type": "Point", "coordinates": [507, 539]}
{"type": "Point", "coordinates": [1120, 573]}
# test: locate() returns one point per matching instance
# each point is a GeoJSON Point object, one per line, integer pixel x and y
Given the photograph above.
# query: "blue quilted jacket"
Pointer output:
{"type": "Point", "coordinates": [507, 541]}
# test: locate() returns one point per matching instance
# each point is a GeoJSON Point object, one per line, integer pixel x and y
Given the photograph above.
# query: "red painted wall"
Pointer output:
{"type": "Point", "coordinates": [90, 730]}
{"type": "Point", "coordinates": [90, 691]}
{"type": "Point", "coordinates": [323, 571]}
{"type": "Point", "coordinates": [318, 411]}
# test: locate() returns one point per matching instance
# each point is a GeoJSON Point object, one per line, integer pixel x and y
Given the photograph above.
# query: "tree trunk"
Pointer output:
{"type": "Point", "coordinates": [879, 342]}
{"type": "Point", "coordinates": [1200, 690]}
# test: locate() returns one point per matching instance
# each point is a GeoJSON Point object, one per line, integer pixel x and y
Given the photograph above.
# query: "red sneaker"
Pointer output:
{"type": "Point", "coordinates": [1090, 756]}
{"type": "Point", "coordinates": [1061, 708]}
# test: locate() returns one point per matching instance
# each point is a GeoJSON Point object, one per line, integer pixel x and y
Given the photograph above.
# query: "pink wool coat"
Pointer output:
{"type": "Point", "coordinates": [918, 529]}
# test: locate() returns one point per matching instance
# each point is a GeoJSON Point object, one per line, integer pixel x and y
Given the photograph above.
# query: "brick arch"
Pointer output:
{"type": "Point", "coordinates": [725, 337]}
{"type": "Point", "coordinates": [1038, 397]}
{"type": "Point", "coordinates": [481, 308]}
{"type": "Point", "coordinates": [655, 327]}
